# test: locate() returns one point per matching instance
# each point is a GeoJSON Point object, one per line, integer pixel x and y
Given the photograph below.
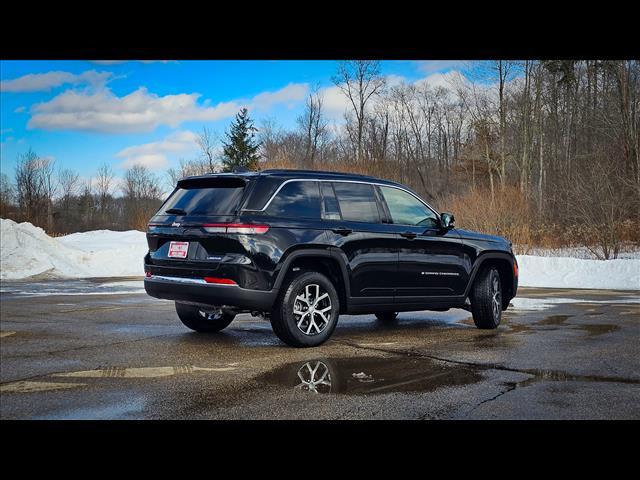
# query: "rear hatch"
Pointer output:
{"type": "Point", "coordinates": [190, 229]}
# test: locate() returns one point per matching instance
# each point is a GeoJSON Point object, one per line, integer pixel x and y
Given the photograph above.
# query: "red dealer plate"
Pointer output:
{"type": "Point", "coordinates": [178, 249]}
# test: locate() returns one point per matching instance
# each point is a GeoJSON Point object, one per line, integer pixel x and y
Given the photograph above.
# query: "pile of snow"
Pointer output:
{"type": "Point", "coordinates": [26, 251]}
{"type": "Point", "coordinates": [627, 251]}
{"type": "Point", "coordinates": [564, 272]}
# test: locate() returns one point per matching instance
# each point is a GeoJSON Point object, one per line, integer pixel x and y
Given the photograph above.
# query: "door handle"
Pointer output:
{"type": "Point", "coordinates": [342, 230]}
{"type": "Point", "coordinates": [409, 235]}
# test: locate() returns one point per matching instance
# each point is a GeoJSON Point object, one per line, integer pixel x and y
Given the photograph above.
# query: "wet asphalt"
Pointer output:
{"type": "Point", "coordinates": [102, 349]}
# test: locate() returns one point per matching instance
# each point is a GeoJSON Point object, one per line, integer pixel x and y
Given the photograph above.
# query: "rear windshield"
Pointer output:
{"type": "Point", "coordinates": [223, 200]}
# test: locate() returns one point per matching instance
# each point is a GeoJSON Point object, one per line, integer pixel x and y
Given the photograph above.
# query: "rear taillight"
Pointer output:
{"type": "Point", "coordinates": [515, 268]}
{"type": "Point", "coordinates": [244, 228]}
{"type": "Point", "coordinates": [219, 281]}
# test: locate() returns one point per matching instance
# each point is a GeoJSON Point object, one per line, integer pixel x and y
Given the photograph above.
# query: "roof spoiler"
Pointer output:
{"type": "Point", "coordinates": [225, 181]}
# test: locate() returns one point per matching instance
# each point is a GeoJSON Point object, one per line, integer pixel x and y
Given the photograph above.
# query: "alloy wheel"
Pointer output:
{"type": "Point", "coordinates": [496, 296]}
{"type": "Point", "coordinates": [312, 309]}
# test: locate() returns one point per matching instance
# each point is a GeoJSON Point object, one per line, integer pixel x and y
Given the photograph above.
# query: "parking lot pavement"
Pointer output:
{"type": "Point", "coordinates": [97, 349]}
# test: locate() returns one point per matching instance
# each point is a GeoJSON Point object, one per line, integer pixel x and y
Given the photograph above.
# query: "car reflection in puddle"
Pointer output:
{"type": "Point", "coordinates": [370, 375]}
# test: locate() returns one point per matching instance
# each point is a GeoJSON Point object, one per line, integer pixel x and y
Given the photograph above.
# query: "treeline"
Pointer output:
{"type": "Point", "coordinates": [59, 201]}
{"type": "Point", "coordinates": [544, 152]}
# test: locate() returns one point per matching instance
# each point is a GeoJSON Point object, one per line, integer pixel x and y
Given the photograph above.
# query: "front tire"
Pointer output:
{"type": "Point", "coordinates": [203, 321]}
{"type": "Point", "coordinates": [306, 312]}
{"type": "Point", "coordinates": [486, 299]}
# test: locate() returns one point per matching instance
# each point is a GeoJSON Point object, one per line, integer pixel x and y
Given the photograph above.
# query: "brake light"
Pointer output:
{"type": "Point", "coordinates": [515, 268]}
{"type": "Point", "coordinates": [219, 281]}
{"type": "Point", "coordinates": [244, 228]}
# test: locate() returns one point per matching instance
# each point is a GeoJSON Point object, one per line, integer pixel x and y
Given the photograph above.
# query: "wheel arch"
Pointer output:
{"type": "Point", "coordinates": [321, 261]}
{"type": "Point", "coordinates": [504, 263]}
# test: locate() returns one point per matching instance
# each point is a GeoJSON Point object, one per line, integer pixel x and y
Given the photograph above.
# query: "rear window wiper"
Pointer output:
{"type": "Point", "coordinates": [175, 211]}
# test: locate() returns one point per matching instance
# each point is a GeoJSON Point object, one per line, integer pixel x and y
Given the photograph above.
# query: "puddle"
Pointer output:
{"type": "Point", "coordinates": [590, 329]}
{"type": "Point", "coordinates": [554, 320]}
{"type": "Point", "coordinates": [130, 408]}
{"type": "Point", "coordinates": [557, 376]}
{"type": "Point", "coordinates": [369, 375]}
{"type": "Point", "coordinates": [598, 329]}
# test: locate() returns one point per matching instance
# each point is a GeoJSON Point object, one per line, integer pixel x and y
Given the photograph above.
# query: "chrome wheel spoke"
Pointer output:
{"type": "Point", "coordinates": [321, 297]}
{"type": "Point", "coordinates": [312, 309]}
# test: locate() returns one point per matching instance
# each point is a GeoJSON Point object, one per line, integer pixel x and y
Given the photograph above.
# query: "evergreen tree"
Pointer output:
{"type": "Point", "coordinates": [241, 149]}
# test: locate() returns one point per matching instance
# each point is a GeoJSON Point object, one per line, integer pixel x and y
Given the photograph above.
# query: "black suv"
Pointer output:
{"type": "Point", "coordinates": [301, 247]}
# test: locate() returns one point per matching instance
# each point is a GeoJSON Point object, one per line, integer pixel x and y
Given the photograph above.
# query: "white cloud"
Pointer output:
{"type": "Point", "coordinates": [142, 111]}
{"type": "Point", "coordinates": [445, 80]}
{"type": "Point", "coordinates": [116, 62]}
{"type": "Point", "coordinates": [334, 102]}
{"type": "Point", "coordinates": [39, 82]}
{"type": "Point", "coordinates": [433, 66]}
{"type": "Point", "coordinates": [289, 95]}
{"type": "Point", "coordinates": [154, 155]}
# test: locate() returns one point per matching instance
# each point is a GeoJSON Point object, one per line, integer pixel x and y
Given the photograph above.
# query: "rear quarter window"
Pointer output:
{"type": "Point", "coordinates": [296, 200]}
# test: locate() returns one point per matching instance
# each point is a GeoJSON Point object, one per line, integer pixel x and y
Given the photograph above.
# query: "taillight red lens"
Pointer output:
{"type": "Point", "coordinates": [220, 281]}
{"type": "Point", "coordinates": [244, 228]}
{"type": "Point", "coordinates": [515, 268]}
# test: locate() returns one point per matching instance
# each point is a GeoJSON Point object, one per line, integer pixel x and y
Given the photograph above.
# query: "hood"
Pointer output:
{"type": "Point", "coordinates": [471, 235]}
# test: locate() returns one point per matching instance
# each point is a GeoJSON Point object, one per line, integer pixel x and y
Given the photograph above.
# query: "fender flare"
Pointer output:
{"type": "Point", "coordinates": [311, 253]}
{"type": "Point", "coordinates": [482, 258]}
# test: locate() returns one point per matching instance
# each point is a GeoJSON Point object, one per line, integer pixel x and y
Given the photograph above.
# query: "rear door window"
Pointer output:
{"type": "Point", "coordinates": [357, 202]}
{"type": "Point", "coordinates": [296, 200]}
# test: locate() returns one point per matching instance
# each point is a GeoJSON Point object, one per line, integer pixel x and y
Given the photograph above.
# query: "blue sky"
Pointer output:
{"type": "Point", "coordinates": [85, 113]}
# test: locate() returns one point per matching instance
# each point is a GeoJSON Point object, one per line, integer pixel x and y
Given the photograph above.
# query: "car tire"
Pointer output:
{"type": "Point", "coordinates": [486, 299]}
{"type": "Point", "coordinates": [387, 317]}
{"type": "Point", "coordinates": [307, 310]}
{"type": "Point", "coordinates": [201, 321]}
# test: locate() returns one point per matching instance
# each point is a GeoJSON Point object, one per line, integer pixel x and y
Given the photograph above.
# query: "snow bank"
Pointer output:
{"type": "Point", "coordinates": [564, 272]}
{"type": "Point", "coordinates": [26, 251]}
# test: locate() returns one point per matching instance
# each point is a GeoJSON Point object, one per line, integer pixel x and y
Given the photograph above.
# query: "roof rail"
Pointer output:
{"type": "Point", "coordinates": [302, 170]}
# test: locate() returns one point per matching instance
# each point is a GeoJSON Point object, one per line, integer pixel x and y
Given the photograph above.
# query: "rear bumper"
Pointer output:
{"type": "Point", "coordinates": [184, 290]}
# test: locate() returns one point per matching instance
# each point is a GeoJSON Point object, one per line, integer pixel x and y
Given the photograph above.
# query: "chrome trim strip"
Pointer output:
{"type": "Point", "coordinates": [177, 279]}
{"type": "Point", "coordinates": [199, 281]}
{"type": "Point", "coordinates": [339, 181]}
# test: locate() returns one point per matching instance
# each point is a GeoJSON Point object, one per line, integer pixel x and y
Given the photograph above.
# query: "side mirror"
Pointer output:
{"type": "Point", "coordinates": [447, 220]}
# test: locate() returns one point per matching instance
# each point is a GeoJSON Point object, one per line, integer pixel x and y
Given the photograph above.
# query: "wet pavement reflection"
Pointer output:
{"type": "Point", "coordinates": [369, 375]}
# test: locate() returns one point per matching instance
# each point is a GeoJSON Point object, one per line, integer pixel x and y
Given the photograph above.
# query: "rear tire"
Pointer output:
{"type": "Point", "coordinates": [387, 317]}
{"type": "Point", "coordinates": [486, 299]}
{"type": "Point", "coordinates": [306, 312]}
{"type": "Point", "coordinates": [201, 321]}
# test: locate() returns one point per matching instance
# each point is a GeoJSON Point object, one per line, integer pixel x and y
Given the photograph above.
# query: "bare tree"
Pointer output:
{"type": "Point", "coordinates": [312, 126]}
{"type": "Point", "coordinates": [7, 195]}
{"type": "Point", "coordinates": [187, 168]}
{"type": "Point", "coordinates": [142, 194]}
{"type": "Point", "coordinates": [359, 80]}
{"type": "Point", "coordinates": [69, 182]}
{"type": "Point", "coordinates": [206, 140]}
{"type": "Point", "coordinates": [36, 187]}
